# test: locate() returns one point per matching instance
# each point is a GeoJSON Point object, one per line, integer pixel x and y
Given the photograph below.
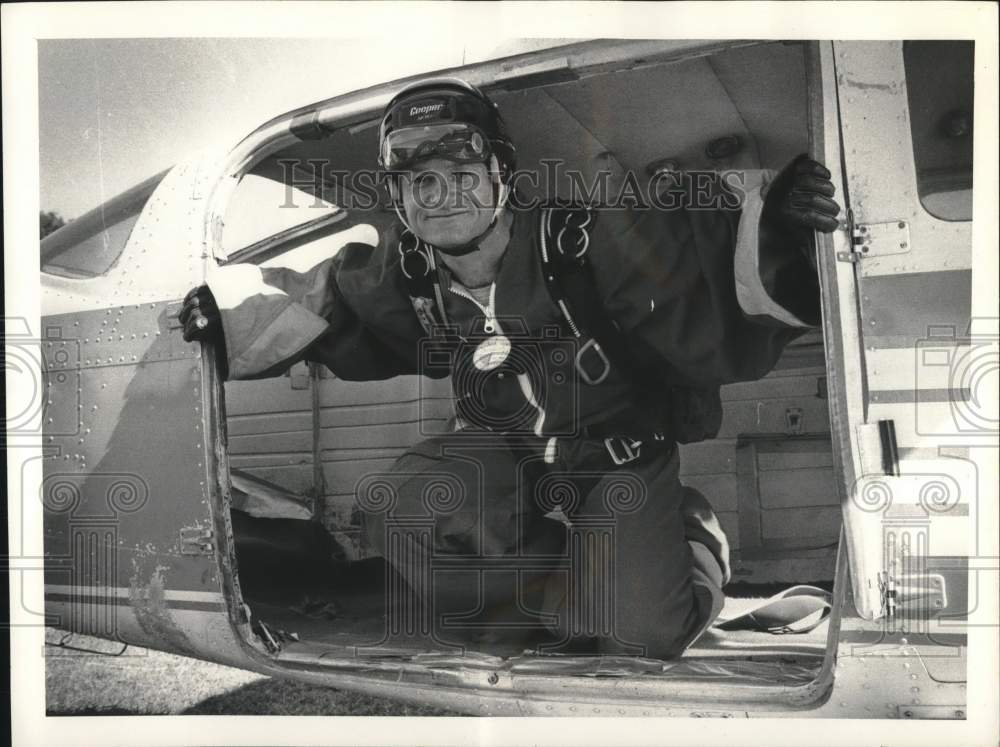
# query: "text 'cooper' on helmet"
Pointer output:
{"type": "Point", "coordinates": [444, 117]}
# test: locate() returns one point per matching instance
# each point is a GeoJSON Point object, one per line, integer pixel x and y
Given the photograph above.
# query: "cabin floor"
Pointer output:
{"type": "Point", "coordinates": [344, 616]}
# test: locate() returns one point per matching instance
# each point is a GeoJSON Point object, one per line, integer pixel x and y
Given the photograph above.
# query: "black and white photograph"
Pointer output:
{"type": "Point", "coordinates": [452, 361]}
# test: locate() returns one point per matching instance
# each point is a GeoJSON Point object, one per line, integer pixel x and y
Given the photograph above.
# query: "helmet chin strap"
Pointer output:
{"type": "Point", "coordinates": [500, 191]}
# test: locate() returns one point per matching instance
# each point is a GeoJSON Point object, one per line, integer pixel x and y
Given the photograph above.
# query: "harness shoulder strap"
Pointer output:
{"type": "Point", "coordinates": [416, 262]}
{"type": "Point", "coordinates": [569, 276]}
{"type": "Point", "coordinates": [687, 413]}
{"type": "Point", "coordinates": [564, 240]}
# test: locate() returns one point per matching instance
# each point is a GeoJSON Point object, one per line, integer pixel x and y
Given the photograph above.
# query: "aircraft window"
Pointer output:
{"type": "Point", "coordinates": [321, 246]}
{"type": "Point", "coordinates": [90, 245]}
{"type": "Point", "coordinates": [939, 84]}
{"type": "Point", "coordinates": [263, 207]}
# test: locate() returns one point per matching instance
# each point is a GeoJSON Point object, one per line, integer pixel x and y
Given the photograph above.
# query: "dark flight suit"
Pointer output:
{"type": "Point", "coordinates": [646, 557]}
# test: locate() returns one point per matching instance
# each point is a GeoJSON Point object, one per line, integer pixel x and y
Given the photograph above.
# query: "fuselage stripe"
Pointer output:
{"type": "Point", "coordinates": [116, 601]}
{"type": "Point", "coordinates": [178, 595]}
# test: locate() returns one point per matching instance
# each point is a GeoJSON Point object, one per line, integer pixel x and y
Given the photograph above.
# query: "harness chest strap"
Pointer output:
{"type": "Point", "coordinates": [416, 262]}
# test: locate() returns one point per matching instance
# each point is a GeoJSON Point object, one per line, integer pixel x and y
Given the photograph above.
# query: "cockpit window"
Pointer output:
{"type": "Point", "coordinates": [291, 212]}
{"type": "Point", "coordinates": [939, 85]}
{"type": "Point", "coordinates": [90, 245]}
{"type": "Point", "coordinates": [262, 208]}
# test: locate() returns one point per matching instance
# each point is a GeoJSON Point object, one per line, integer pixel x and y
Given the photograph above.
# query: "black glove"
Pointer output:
{"type": "Point", "coordinates": [799, 201]}
{"type": "Point", "coordinates": [200, 316]}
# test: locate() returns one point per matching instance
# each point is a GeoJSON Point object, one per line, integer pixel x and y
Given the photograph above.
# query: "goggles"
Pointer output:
{"type": "Point", "coordinates": [454, 141]}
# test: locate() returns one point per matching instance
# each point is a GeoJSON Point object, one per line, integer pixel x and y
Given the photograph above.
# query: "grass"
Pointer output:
{"type": "Point", "coordinates": [147, 682]}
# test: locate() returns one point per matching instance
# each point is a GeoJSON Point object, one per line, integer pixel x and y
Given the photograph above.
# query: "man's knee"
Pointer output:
{"type": "Point", "coordinates": [669, 638]}
{"type": "Point", "coordinates": [687, 610]}
{"type": "Point", "coordinates": [701, 525]}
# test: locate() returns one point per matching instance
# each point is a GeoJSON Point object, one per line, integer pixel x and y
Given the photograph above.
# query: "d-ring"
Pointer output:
{"type": "Point", "coordinates": [585, 223]}
{"type": "Point", "coordinates": [583, 249]}
{"type": "Point", "coordinates": [416, 243]}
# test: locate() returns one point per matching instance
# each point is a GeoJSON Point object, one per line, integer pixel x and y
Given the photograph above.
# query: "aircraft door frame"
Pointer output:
{"type": "Point", "coordinates": [137, 541]}
{"type": "Point", "coordinates": [902, 288]}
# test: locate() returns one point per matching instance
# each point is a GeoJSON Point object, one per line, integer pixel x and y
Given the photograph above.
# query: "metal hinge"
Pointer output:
{"type": "Point", "coordinates": [877, 240]}
{"type": "Point", "coordinates": [921, 595]}
{"type": "Point", "coordinates": [197, 540]}
{"type": "Point", "coordinates": [887, 590]}
{"type": "Point", "coordinates": [849, 256]}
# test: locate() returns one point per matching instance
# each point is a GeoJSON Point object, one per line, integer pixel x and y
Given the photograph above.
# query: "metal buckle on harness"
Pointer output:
{"type": "Point", "coordinates": [592, 344]}
{"type": "Point", "coordinates": [628, 445]}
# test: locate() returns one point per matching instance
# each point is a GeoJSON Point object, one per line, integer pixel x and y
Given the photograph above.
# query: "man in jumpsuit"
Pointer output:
{"type": "Point", "coordinates": [698, 297]}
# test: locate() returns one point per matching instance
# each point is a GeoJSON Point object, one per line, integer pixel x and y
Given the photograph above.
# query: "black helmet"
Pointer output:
{"type": "Point", "coordinates": [444, 117]}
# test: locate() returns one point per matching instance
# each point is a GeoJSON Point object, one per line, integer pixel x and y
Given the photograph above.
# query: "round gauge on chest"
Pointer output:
{"type": "Point", "coordinates": [491, 352]}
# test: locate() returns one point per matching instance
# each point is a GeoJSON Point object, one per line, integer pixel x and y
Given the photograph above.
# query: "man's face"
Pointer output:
{"type": "Point", "coordinates": [447, 204]}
